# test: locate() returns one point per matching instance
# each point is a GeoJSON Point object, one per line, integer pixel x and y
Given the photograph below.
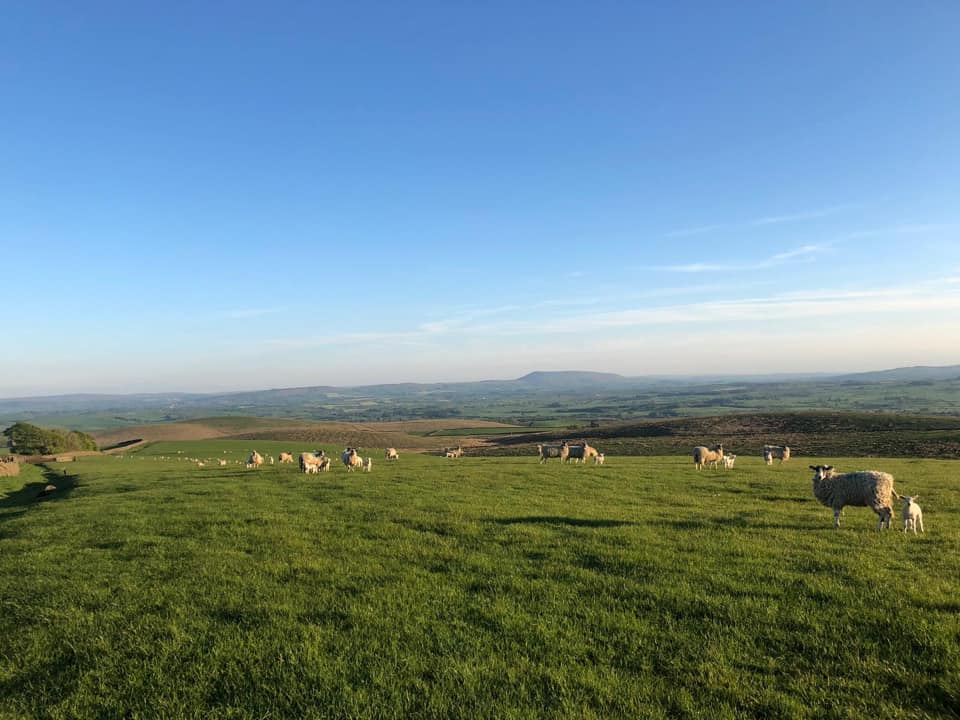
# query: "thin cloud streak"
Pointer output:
{"type": "Point", "coordinates": [760, 222]}
{"type": "Point", "coordinates": [941, 295]}
{"type": "Point", "coordinates": [797, 217]}
{"type": "Point", "coordinates": [806, 252]}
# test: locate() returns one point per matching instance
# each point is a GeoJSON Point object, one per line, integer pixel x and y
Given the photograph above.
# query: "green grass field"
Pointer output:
{"type": "Point", "coordinates": [474, 588]}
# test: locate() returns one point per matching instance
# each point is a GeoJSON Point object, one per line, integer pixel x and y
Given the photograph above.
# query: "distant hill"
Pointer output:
{"type": "Point", "coordinates": [571, 380]}
{"type": "Point", "coordinates": [538, 398]}
{"type": "Point", "coordinates": [918, 373]}
{"type": "Point", "coordinates": [809, 435]}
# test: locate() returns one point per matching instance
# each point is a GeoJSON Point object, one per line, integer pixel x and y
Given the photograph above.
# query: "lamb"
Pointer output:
{"type": "Point", "coordinates": [598, 459]}
{"type": "Point", "coordinates": [286, 457]}
{"type": "Point", "coordinates": [368, 465]}
{"type": "Point", "coordinates": [453, 452]}
{"type": "Point", "coordinates": [270, 459]}
{"type": "Point", "coordinates": [864, 488]}
{"type": "Point", "coordinates": [912, 514]}
{"type": "Point", "coordinates": [728, 461]}
{"type": "Point", "coordinates": [703, 455]}
{"type": "Point", "coordinates": [392, 454]}
{"type": "Point", "coordinates": [776, 452]}
{"type": "Point", "coordinates": [221, 463]}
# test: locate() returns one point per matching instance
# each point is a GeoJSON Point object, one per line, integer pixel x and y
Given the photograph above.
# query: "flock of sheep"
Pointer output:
{"type": "Point", "coordinates": [578, 452]}
{"type": "Point", "coordinates": [864, 488]}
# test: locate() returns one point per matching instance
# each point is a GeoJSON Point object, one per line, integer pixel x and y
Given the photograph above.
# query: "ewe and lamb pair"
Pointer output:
{"type": "Point", "coordinates": [864, 488]}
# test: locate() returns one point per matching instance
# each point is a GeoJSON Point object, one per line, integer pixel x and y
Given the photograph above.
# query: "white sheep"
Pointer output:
{"type": "Point", "coordinates": [728, 461]}
{"type": "Point", "coordinates": [351, 459]}
{"type": "Point", "coordinates": [368, 465]}
{"type": "Point", "coordinates": [703, 455]}
{"type": "Point", "coordinates": [553, 451]}
{"type": "Point", "coordinates": [598, 460]}
{"type": "Point", "coordinates": [310, 462]}
{"type": "Point", "coordinates": [912, 514]}
{"type": "Point", "coordinates": [864, 488]}
{"type": "Point", "coordinates": [392, 454]}
{"type": "Point", "coordinates": [776, 452]}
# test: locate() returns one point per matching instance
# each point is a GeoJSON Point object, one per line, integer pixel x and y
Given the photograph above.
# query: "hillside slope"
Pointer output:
{"type": "Point", "coordinates": [810, 434]}
{"type": "Point", "coordinates": [409, 435]}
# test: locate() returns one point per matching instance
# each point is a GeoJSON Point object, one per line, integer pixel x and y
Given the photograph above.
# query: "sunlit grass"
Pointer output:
{"type": "Point", "coordinates": [481, 587]}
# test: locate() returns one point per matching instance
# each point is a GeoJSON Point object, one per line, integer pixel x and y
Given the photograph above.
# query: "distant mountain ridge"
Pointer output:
{"type": "Point", "coordinates": [538, 395]}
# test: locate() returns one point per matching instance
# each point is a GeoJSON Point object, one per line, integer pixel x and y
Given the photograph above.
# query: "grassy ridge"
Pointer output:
{"type": "Point", "coordinates": [807, 433]}
{"type": "Point", "coordinates": [484, 587]}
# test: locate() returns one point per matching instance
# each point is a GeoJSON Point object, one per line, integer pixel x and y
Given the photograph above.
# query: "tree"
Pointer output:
{"type": "Point", "coordinates": [27, 439]}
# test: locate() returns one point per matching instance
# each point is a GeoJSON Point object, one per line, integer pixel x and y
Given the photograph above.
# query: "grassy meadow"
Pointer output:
{"type": "Point", "coordinates": [490, 587]}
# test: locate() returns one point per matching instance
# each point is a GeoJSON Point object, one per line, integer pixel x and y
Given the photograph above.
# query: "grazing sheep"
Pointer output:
{"type": "Point", "coordinates": [286, 457]}
{"type": "Point", "coordinates": [221, 463]}
{"type": "Point", "coordinates": [255, 459]}
{"type": "Point", "coordinates": [776, 452]}
{"type": "Point", "coordinates": [351, 459]}
{"type": "Point", "coordinates": [553, 451]}
{"type": "Point", "coordinates": [703, 455]}
{"type": "Point", "coordinates": [392, 454]}
{"type": "Point", "coordinates": [310, 462]}
{"type": "Point", "coordinates": [728, 461]}
{"type": "Point", "coordinates": [368, 465]}
{"type": "Point", "coordinates": [598, 459]}
{"type": "Point", "coordinates": [912, 514]}
{"type": "Point", "coordinates": [453, 452]}
{"type": "Point", "coordinates": [580, 452]}
{"type": "Point", "coordinates": [864, 488]}
{"type": "Point", "coordinates": [200, 464]}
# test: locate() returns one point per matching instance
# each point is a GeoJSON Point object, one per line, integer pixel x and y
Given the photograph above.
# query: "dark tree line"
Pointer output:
{"type": "Point", "coordinates": [27, 439]}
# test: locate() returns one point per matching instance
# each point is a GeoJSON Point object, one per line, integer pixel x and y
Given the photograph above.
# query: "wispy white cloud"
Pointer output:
{"type": "Point", "coordinates": [244, 313]}
{"type": "Point", "coordinates": [804, 253]}
{"type": "Point", "coordinates": [689, 232]}
{"type": "Point", "coordinates": [797, 217]}
{"type": "Point", "coordinates": [905, 229]}
{"type": "Point", "coordinates": [761, 221]}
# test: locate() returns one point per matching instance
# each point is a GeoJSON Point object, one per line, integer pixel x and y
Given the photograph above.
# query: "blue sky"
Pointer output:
{"type": "Point", "coordinates": [205, 196]}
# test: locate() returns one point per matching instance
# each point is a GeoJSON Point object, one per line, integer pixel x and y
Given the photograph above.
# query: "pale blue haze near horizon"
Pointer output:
{"type": "Point", "coordinates": [215, 196]}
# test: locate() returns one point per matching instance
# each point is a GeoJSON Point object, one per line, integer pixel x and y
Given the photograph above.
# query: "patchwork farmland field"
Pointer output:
{"type": "Point", "coordinates": [146, 587]}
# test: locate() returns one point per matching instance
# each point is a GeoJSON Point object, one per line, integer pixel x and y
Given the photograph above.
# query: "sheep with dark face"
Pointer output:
{"type": "Point", "coordinates": [864, 488]}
